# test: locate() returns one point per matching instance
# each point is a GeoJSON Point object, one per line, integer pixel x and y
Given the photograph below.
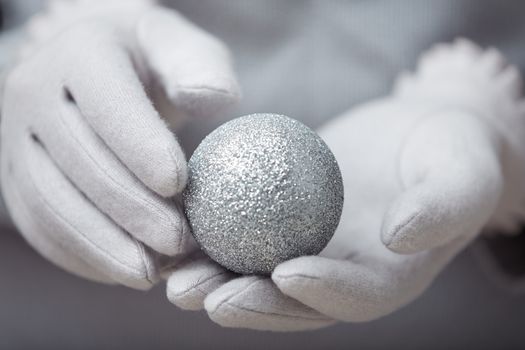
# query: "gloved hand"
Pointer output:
{"type": "Point", "coordinates": [89, 169]}
{"type": "Point", "coordinates": [424, 171]}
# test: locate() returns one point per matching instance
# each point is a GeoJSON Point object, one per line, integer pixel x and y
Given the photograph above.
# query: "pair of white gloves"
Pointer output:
{"type": "Point", "coordinates": [90, 170]}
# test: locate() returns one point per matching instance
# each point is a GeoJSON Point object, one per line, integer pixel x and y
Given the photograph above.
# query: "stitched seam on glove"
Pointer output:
{"type": "Point", "coordinates": [125, 192]}
{"type": "Point", "coordinates": [228, 302]}
{"type": "Point", "coordinates": [399, 228]}
{"type": "Point", "coordinates": [149, 267]}
{"type": "Point", "coordinates": [199, 89]}
{"type": "Point", "coordinates": [176, 171]}
{"type": "Point", "coordinates": [26, 217]}
{"type": "Point", "coordinates": [196, 285]}
{"type": "Point", "coordinates": [299, 276]}
{"type": "Point", "coordinates": [276, 313]}
{"type": "Point", "coordinates": [83, 237]}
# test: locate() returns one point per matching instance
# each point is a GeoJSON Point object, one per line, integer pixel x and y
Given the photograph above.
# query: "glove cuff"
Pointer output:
{"type": "Point", "coordinates": [464, 75]}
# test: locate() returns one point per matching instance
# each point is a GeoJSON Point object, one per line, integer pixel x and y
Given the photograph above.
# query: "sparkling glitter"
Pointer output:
{"type": "Point", "coordinates": [263, 189]}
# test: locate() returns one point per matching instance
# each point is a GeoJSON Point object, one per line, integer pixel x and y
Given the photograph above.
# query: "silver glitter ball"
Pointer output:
{"type": "Point", "coordinates": [262, 189]}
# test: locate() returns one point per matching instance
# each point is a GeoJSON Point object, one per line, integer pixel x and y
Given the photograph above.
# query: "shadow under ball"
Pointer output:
{"type": "Point", "coordinates": [262, 189]}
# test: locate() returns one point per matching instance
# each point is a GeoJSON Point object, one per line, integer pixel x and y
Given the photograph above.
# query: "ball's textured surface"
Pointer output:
{"type": "Point", "coordinates": [262, 189]}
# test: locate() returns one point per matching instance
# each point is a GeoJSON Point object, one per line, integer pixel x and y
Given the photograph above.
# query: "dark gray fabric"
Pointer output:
{"type": "Point", "coordinates": [17, 11]}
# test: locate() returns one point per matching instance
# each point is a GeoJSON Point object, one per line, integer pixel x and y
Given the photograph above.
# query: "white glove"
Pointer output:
{"type": "Point", "coordinates": [88, 166]}
{"type": "Point", "coordinates": [424, 171]}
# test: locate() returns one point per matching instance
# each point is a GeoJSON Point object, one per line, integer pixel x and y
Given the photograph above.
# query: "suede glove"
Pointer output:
{"type": "Point", "coordinates": [425, 170]}
{"type": "Point", "coordinates": [89, 168]}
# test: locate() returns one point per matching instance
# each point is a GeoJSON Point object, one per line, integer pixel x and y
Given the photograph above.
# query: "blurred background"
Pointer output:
{"type": "Point", "coordinates": [311, 60]}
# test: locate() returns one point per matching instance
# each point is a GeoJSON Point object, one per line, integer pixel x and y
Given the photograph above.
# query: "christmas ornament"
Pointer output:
{"type": "Point", "coordinates": [262, 189]}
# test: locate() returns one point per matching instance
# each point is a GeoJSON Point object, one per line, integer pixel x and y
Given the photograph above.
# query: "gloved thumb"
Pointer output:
{"type": "Point", "coordinates": [193, 67]}
{"type": "Point", "coordinates": [453, 181]}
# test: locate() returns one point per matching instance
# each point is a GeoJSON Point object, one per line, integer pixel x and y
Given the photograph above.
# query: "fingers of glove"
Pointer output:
{"type": "Point", "coordinates": [194, 68]}
{"type": "Point", "coordinates": [452, 175]}
{"type": "Point", "coordinates": [86, 160]}
{"type": "Point", "coordinates": [255, 302]}
{"type": "Point", "coordinates": [110, 96]}
{"type": "Point", "coordinates": [193, 280]}
{"type": "Point", "coordinates": [359, 292]}
{"type": "Point", "coordinates": [79, 227]}
{"type": "Point", "coordinates": [36, 234]}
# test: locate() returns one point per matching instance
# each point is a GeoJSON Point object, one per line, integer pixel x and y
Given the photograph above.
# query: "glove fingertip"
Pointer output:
{"type": "Point", "coordinates": [292, 276]}
{"type": "Point", "coordinates": [398, 234]}
{"type": "Point", "coordinates": [193, 281]}
{"type": "Point", "coordinates": [201, 99]}
{"type": "Point", "coordinates": [216, 303]}
{"type": "Point", "coordinates": [191, 299]}
{"type": "Point", "coordinates": [171, 173]}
